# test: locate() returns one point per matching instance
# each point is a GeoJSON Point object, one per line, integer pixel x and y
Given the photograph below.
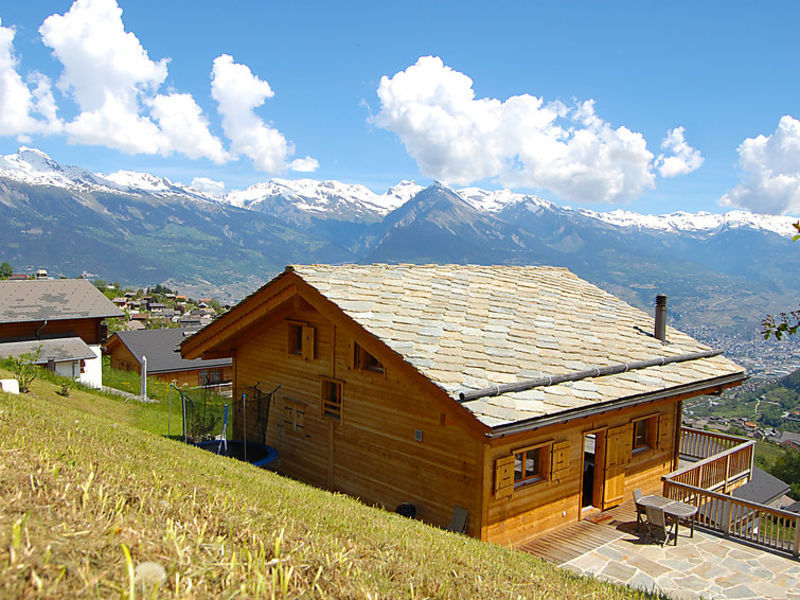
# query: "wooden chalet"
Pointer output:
{"type": "Point", "coordinates": [61, 319]}
{"type": "Point", "coordinates": [125, 350]}
{"type": "Point", "coordinates": [523, 395]}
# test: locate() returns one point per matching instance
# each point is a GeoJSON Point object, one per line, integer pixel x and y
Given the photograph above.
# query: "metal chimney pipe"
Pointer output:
{"type": "Point", "coordinates": [661, 318]}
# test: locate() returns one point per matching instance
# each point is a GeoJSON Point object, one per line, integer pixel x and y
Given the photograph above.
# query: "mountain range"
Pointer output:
{"type": "Point", "coordinates": [722, 271]}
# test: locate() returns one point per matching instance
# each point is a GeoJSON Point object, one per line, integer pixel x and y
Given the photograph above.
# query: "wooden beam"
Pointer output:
{"type": "Point", "coordinates": [239, 318]}
{"type": "Point", "coordinates": [278, 314]}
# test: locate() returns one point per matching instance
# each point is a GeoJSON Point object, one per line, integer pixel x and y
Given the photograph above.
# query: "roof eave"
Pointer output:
{"type": "Point", "coordinates": [692, 389]}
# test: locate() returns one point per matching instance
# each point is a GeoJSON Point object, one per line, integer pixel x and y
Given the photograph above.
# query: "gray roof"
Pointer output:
{"type": "Point", "coordinates": [762, 487]}
{"type": "Point", "coordinates": [160, 346]}
{"type": "Point", "coordinates": [790, 436]}
{"type": "Point", "coordinates": [53, 300]}
{"type": "Point", "coordinates": [468, 327]}
{"type": "Point", "coordinates": [57, 349]}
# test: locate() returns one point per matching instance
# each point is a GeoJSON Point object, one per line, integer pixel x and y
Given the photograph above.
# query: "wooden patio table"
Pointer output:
{"type": "Point", "coordinates": [674, 508]}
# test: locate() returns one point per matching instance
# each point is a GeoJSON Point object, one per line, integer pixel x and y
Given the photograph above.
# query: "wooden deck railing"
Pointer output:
{"type": "Point", "coordinates": [726, 462]}
{"type": "Point", "coordinates": [724, 471]}
{"type": "Point", "coordinates": [699, 444]}
{"type": "Point", "coordinates": [754, 523]}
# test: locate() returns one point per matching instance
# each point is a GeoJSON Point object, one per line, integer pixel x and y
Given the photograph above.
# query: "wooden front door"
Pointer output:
{"type": "Point", "coordinates": [616, 458]}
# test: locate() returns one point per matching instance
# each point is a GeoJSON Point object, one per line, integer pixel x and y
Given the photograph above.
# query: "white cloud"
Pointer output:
{"type": "Point", "coordinates": [115, 85]}
{"type": "Point", "coordinates": [681, 159]}
{"type": "Point", "coordinates": [208, 186]}
{"type": "Point", "coordinates": [771, 165]}
{"type": "Point", "coordinates": [522, 141]}
{"type": "Point", "coordinates": [304, 165]}
{"type": "Point", "coordinates": [186, 129]}
{"type": "Point", "coordinates": [238, 93]}
{"type": "Point", "coordinates": [17, 102]}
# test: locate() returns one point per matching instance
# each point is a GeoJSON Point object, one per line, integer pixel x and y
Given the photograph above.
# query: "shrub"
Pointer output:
{"type": "Point", "coordinates": [25, 369]}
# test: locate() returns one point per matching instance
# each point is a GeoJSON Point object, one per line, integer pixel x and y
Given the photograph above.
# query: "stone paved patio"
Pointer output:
{"type": "Point", "coordinates": [706, 566]}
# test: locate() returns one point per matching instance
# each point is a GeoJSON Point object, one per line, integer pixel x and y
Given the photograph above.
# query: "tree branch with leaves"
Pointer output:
{"type": "Point", "coordinates": [783, 323]}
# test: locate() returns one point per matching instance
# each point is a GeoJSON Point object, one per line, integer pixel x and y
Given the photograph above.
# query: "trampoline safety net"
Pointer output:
{"type": "Point", "coordinates": [204, 415]}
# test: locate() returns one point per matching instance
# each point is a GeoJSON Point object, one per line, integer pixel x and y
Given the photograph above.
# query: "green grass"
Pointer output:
{"type": "Point", "coordinates": [767, 453]}
{"type": "Point", "coordinates": [83, 487]}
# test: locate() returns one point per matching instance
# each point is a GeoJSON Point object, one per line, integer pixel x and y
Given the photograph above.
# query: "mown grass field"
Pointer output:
{"type": "Point", "coordinates": [83, 486]}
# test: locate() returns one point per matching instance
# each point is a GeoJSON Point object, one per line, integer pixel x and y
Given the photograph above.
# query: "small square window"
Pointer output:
{"type": "Point", "coordinates": [527, 465]}
{"type": "Point", "coordinates": [531, 464]}
{"type": "Point", "coordinates": [364, 361]}
{"type": "Point", "coordinates": [209, 377]}
{"type": "Point", "coordinates": [645, 433]}
{"type": "Point", "coordinates": [300, 340]}
{"type": "Point", "coordinates": [640, 434]}
{"type": "Point", "coordinates": [332, 399]}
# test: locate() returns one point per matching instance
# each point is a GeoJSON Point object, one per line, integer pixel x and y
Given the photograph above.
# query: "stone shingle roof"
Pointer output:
{"type": "Point", "coordinates": [56, 349]}
{"type": "Point", "coordinates": [469, 327]}
{"type": "Point", "coordinates": [53, 299]}
{"type": "Point", "coordinates": [160, 346]}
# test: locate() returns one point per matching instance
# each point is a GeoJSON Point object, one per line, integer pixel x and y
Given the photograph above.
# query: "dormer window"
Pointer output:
{"type": "Point", "coordinates": [364, 361]}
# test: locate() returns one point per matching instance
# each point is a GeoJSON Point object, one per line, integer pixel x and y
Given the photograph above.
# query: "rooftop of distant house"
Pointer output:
{"type": "Point", "coordinates": [53, 299]}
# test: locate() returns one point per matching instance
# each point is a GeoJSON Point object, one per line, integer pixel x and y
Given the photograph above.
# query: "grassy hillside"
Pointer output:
{"type": "Point", "coordinates": [79, 490]}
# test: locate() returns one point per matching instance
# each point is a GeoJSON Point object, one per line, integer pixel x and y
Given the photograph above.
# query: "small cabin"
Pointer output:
{"type": "Point", "coordinates": [125, 350]}
{"type": "Point", "coordinates": [521, 396]}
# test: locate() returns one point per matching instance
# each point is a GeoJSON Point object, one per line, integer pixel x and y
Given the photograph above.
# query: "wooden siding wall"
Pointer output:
{"type": "Point", "coordinates": [544, 505]}
{"type": "Point", "coordinates": [372, 453]}
{"type": "Point", "coordinates": [123, 359]}
{"type": "Point", "coordinates": [86, 329]}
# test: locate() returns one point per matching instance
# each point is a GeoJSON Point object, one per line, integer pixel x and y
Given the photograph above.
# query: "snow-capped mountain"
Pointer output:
{"type": "Point", "coordinates": [323, 198]}
{"type": "Point", "coordinates": [33, 167]}
{"type": "Point", "coordinates": [498, 200]}
{"type": "Point", "coordinates": [305, 200]}
{"type": "Point", "coordinates": [701, 222]}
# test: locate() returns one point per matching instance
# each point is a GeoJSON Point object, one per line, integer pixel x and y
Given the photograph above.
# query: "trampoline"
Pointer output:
{"type": "Point", "coordinates": [205, 424]}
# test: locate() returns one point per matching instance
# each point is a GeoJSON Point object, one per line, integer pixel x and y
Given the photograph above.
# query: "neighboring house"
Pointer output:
{"type": "Point", "coordinates": [763, 488]}
{"type": "Point", "coordinates": [161, 347]}
{"type": "Point", "coordinates": [524, 395]}
{"type": "Point", "coordinates": [62, 318]}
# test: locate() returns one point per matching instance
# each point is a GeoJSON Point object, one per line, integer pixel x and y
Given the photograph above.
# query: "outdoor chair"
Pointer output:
{"type": "Point", "coordinates": [640, 512]}
{"type": "Point", "coordinates": [657, 526]}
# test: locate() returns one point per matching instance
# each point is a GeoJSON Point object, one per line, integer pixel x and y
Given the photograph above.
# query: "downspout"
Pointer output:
{"type": "Point", "coordinates": [39, 331]}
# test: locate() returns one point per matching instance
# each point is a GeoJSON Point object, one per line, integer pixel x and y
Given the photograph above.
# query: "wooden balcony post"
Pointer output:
{"type": "Point", "coordinates": [726, 518]}
{"type": "Point", "coordinates": [727, 473]}
{"type": "Point", "coordinates": [796, 547]}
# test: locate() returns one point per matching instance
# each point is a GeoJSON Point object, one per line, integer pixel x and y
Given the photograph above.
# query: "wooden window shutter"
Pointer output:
{"type": "Point", "coordinates": [504, 476]}
{"type": "Point", "coordinates": [308, 343]}
{"type": "Point", "coordinates": [663, 433]}
{"type": "Point", "coordinates": [559, 465]}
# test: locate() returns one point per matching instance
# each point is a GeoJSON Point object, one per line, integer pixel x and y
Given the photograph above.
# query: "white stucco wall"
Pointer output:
{"type": "Point", "coordinates": [93, 370]}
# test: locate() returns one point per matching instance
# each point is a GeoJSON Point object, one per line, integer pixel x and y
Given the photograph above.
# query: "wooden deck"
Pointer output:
{"type": "Point", "coordinates": [576, 539]}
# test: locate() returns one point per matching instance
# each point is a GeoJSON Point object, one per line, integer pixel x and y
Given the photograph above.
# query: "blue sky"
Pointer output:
{"type": "Point", "coordinates": [568, 100]}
